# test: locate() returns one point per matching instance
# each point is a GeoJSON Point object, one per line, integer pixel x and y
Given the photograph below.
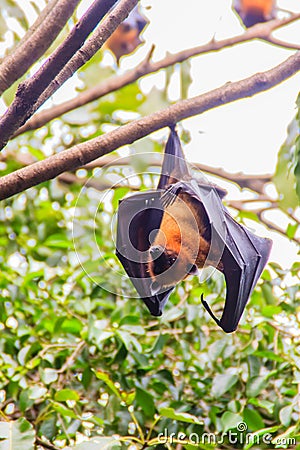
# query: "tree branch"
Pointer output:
{"type": "Point", "coordinates": [273, 226]}
{"type": "Point", "coordinates": [255, 183]}
{"type": "Point", "coordinates": [282, 44]}
{"type": "Point", "coordinates": [30, 90]}
{"type": "Point", "coordinates": [261, 31]}
{"type": "Point", "coordinates": [88, 50]}
{"type": "Point", "coordinates": [36, 41]}
{"type": "Point", "coordinates": [86, 152]}
{"type": "Point", "coordinates": [240, 206]}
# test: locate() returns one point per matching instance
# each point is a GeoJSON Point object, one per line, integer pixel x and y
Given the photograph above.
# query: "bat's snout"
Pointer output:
{"type": "Point", "coordinates": [155, 251]}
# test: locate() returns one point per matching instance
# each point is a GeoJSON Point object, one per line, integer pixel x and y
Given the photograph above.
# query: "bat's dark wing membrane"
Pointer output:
{"type": "Point", "coordinates": [174, 166]}
{"type": "Point", "coordinates": [138, 216]}
{"type": "Point", "coordinates": [244, 259]}
{"type": "Point", "coordinates": [242, 254]}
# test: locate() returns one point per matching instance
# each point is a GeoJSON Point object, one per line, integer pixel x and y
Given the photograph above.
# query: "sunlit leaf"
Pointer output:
{"type": "Point", "coordinates": [177, 415]}
{"type": "Point", "coordinates": [17, 434]}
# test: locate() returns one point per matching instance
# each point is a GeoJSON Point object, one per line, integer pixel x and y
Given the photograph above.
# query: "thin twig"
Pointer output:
{"type": "Point", "coordinates": [275, 227]}
{"type": "Point", "coordinates": [261, 31]}
{"type": "Point", "coordinates": [46, 445]}
{"type": "Point", "coordinates": [71, 359]}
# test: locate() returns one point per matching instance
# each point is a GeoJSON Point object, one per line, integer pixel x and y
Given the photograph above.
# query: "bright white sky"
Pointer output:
{"type": "Point", "coordinates": [244, 136]}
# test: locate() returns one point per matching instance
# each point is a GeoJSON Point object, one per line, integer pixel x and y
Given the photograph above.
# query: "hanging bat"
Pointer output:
{"type": "Point", "coordinates": [255, 11]}
{"type": "Point", "coordinates": [126, 38]}
{"type": "Point", "coordinates": [167, 234]}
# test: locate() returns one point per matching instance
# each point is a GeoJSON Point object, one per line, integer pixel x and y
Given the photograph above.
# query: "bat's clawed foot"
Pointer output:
{"type": "Point", "coordinates": [169, 196]}
{"type": "Point", "coordinates": [155, 288]}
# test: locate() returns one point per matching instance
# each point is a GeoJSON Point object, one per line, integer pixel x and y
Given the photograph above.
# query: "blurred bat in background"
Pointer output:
{"type": "Point", "coordinates": [255, 11]}
{"type": "Point", "coordinates": [126, 38]}
{"type": "Point", "coordinates": [164, 235]}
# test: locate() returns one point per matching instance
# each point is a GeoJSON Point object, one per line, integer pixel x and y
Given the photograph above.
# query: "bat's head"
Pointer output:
{"type": "Point", "coordinates": [167, 267]}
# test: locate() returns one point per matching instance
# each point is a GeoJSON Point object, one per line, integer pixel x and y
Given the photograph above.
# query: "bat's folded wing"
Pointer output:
{"type": "Point", "coordinates": [244, 258]}
{"type": "Point", "coordinates": [242, 254]}
{"type": "Point", "coordinates": [139, 218]}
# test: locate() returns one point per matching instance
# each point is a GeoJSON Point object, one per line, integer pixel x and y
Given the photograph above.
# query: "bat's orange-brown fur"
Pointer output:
{"type": "Point", "coordinates": [123, 41]}
{"type": "Point", "coordinates": [255, 11]}
{"type": "Point", "coordinates": [263, 6]}
{"type": "Point", "coordinates": [126, 38]}
{"type": "Point", "coordinates": [184, 235]}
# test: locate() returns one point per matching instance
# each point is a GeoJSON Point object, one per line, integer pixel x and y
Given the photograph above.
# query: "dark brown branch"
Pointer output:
{"type": "Point", "coordinates": [30, 90]}
{"type": "Point", "coordinates": [94, 43]}
{"type": "Point", "coordinates": [261, 31]}
{"type": "Point", "coordinates": [86, 152]}
{"type": "Point", "coordinates": [36, 41]}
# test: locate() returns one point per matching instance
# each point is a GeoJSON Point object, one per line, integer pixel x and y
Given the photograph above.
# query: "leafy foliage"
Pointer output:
{"type": "Point", "coordinates": [82, 363]}
{"type": "Point", "coordinates": [287, 175]}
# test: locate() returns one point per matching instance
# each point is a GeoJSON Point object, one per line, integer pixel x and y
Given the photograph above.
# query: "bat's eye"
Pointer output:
{"type": "Point", "coordinates": [126, 27]}
{"type": "Point", "coordinates": [172, 260]}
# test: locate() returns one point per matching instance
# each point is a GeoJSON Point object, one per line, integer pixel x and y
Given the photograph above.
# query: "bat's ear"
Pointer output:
{"type": "Point", "coordinates": [174, 166]}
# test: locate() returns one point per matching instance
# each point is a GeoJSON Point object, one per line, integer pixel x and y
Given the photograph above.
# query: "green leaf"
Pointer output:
{"type": "Point", "coordinates": [291, 230]}
{"type": "Point", "coordinates": [185, 78]}
{"type": "Point", "coordinates": [172, 314]}
{"type": "Point", "coordinates": [109, 383]}
{"type": "Point", "coordinates": [270, 310]}
{"type": "Point", "coordinates": [216, 349]}
{"type": "Point", "coordinates": [129, 340]}
{"type": "Point", "coordinates": [66, 394]}
{"type": "Point", "coordinates": [66, 412]}
{"type": "Point", "coordinates": [58, 241]}
{"type": "Point", "coordinates": [253, 419]}
{"type": "Point", "coordinates": [230, 420]}
{"type": "Point", "coordinates": [180, 416]}
{"type": "Point", "coordinates": [284, 178]}
{"type": "Point", "coordinates": [145, 401]}
{"type": "Point", "coordinates": [268, 293]}
{"type": "Point", "coordinates": [269, 355]}
{"type": "Point", "coordinates": [48, 375]}
{"type": "Point", "coordinates": [261, 403]}
{"type": "Point", "coordinates": [35, 392]}
{"type": "Point", "coordinates": [17, 435]}
{"type": "Point", "coordinates": [255, 385]}
{"type": "Point", "coordinates": [222, 382]}
{"type": "Point", "coordinates": [73, 326]}
{"type": "Point", "coordinates": [285, 415]}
